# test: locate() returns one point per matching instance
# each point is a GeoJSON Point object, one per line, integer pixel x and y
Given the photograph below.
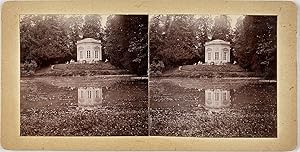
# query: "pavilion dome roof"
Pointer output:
{"type": "Point", "coordinates": [217, 42]}
{"type": "Point", "coordinates": [88, 40]}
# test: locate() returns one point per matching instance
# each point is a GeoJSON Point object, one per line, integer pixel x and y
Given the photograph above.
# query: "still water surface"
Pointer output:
{"type": "Point", "coordinates": [212, 108]}
{"type": "Point", "coordinates": [88, 106]}
{"type": "Point", "coordinates": [116, 106]}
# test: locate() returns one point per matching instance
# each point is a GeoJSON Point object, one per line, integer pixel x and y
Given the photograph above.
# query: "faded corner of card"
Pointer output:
{"type": "Point", "coordinates": [5, 144]}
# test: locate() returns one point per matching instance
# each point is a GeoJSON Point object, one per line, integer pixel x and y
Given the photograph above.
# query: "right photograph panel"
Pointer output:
{"type": "Point", "coordinates": [213, 76]}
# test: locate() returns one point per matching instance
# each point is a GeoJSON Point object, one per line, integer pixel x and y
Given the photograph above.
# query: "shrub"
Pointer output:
{"type": "Point", "coordinates": [156, 68]}
{"type": "Point", "coordinates": [28, 68]}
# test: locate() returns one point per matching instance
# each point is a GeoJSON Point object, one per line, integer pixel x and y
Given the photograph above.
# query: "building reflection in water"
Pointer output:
{"type": "Point", "coordinates": [217, 99]}
{"type": "Point", "coordinates": [89, 97]}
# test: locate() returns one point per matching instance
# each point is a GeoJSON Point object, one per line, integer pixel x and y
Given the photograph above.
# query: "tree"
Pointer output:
{"type": "Point", "coordinates": [221, 28]}
{"type": "Point", "coordinates": [238, 43]}
{"type": "Point", "coordinates": [256, 44]}
{"type": "Point", "coordinates": [156, 37]}
{"type": "Point", "coordinates": [174, 40]}
{"type": "Point", "coordinates": [75, 33]}
{"type": "Point", "coordinates": [26, 37]}
{"type": "Point", "coordinates": [44, 39]}
{"type": "Point", "coordinates": [92, 27]}
{"type": "Point", "coordinates": [203, 33]}
{"type": "Point", "coordinates": [51, 39]}
{"type": "Point", "coordinates": [126, 42]}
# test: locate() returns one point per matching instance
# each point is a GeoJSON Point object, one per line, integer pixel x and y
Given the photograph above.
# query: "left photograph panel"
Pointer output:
{"type": "Point", "coordinates": [84, 75]}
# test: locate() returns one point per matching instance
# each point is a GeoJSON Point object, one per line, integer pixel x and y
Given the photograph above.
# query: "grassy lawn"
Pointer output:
{"type": "Point", "coordinates": [209, 71]}
{"type": "Point", "coordinates": [100, 68]}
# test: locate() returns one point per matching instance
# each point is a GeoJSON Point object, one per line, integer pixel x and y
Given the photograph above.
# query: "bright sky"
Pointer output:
{"type": "Point", "coordinates": [104, 20]}
{"type": "Point", "coordinates": [234, 18]}
{"type": "Point", "coordinates": [233, 21]}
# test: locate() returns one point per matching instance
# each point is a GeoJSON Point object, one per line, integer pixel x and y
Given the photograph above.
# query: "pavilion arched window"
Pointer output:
{"type": "Point", "coordinates": [88, 54]}
{"type": "Point", "coordinates": [81, 54]}
{"type": "Point", "coordinates": [225, 50]}
{"type": "Point", "coordinates": [96, 54]}
{"type": "Point", "coordinates": [209, 54]}
{"type": "Point", "coordinates": [216, 55]}
{"type": "Point", "coordinates": [225, 56]}
{"type": "Point", "coordinates": [97, 51]}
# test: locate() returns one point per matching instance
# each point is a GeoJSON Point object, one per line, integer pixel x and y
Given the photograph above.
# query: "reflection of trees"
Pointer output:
{"type": "Point", "coordinates": [208, 83]}
{"type": "Point", "coordinates": [257, 97]}
{"type": "Point", "coordinates": [233, 109]}
{"type": "Point", "coordinates": [127, 94]}
{"type": "Point", "coordinates": [171, 95]}
{"type": "Point", "coordinates": [188, 92]}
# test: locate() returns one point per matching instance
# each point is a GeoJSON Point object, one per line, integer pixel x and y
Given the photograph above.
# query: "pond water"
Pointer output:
{"type": "Point", "coordinates": [118, 106]}
{"type": "Point", "coordinates": [84, 106]}
{"type": "Point", "coordinates": [212, 108]}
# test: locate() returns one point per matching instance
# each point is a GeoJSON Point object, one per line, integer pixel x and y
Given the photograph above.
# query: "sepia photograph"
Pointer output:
{"type": "Point", "coordinates": [83, 75]}
{"type": "Point", "coordinates": [213, 76]}
{"type": "Point", "coordinates": [87, 75]}
{"type": "Point", "coordinates": [149, 75]}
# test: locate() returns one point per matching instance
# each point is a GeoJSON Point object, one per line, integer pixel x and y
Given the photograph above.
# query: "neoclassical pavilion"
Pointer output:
{"type": "Point", "coordinates": [89, 50]}
{"type": "Point", "coordinates": [217, 52]}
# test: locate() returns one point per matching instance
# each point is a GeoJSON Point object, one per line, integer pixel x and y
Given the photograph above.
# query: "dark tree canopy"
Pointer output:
{"type": "Point", "coordinates": [176, 40]}
{"type": "Point", "coordinates": [256, 44]}
{"type": "Point", "coordinates": [221, 28]}
{"type": "Point", "coordinates": [75, 24]}
{"type": "Point", "coordinates": [203, 34]}
{"type": "Point", "coordinates": [126, 42]}
{"type": "Point", "coordinates": [92, 27]}
{"type": "Point", "coordinates": [51, 39]}
{"type": "Point", "coordinates": [44, 39]}
{"type": "Point", "coordinates": [173, 39]}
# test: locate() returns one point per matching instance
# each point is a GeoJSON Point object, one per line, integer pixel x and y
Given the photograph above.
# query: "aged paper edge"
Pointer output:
{"type": "Point", "coordinates": [286, 68]}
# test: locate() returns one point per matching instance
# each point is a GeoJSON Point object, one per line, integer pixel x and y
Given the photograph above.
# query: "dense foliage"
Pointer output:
{"type": "Point", "coordinates": [44, 39]}
{"type": "Point", "coordinates": [177, 40]}
{"type": "Point", "coordinates": [126, 42]}
{"type": "Point", "coordinates": [255, 44]}
{"type": "Point", "coordinates": [174, 40]}
{"type": "Point", "coordinates": [51, 39]}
